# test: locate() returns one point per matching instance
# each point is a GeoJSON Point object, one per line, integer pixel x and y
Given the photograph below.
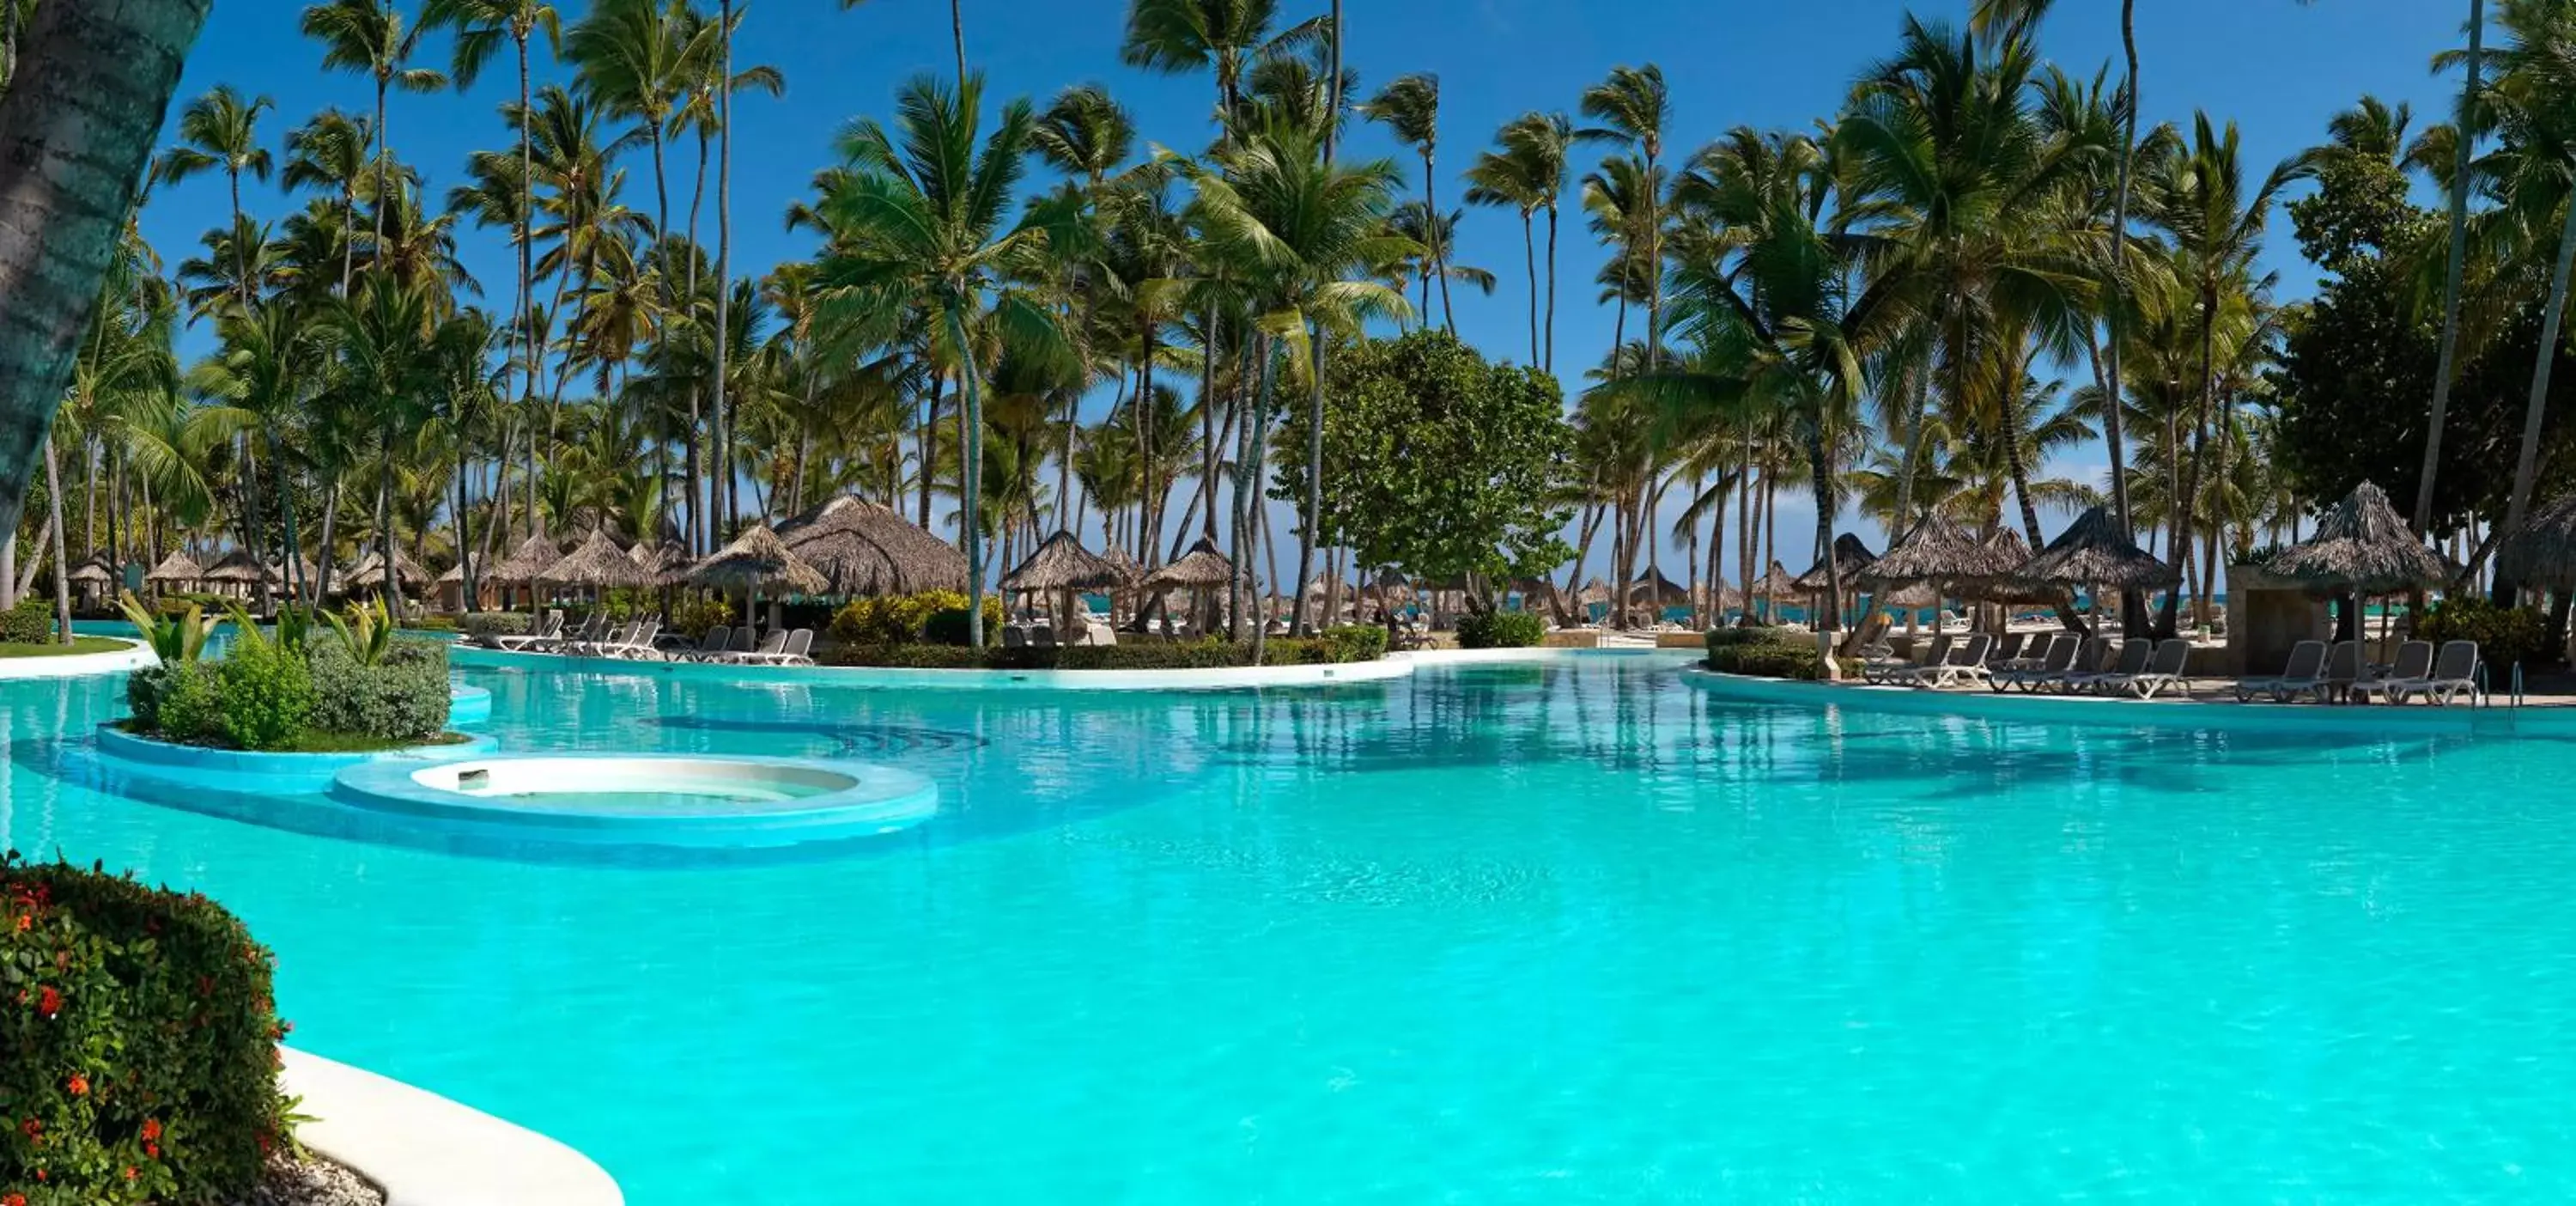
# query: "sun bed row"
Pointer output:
{"type": "Point", "coordinates": [641, 641]}
{"type": "Point", "coordinates": [2327, 673]}
{"type": "Point", "coordinates": [2054, 662]}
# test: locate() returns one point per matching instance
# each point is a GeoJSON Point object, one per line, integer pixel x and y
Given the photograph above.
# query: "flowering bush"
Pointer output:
{"type": "Point", "coordinates": [138, 1058]}
{"type": "Point", "coordinates": [693, 617]}
{"type": "Point", "coordinates": [905, 619]}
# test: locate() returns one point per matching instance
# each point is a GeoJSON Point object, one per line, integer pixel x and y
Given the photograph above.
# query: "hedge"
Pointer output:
{"type": "Point", "coordinates": [1501, 630]}
{"type": "Point", "coordinates": [1771, 654]}
{"type": "Point", "coordinates": [31, 622]}
{"type": "Point", "coordinates": [402, 699]}
{"type": "Point", "coordinates": [477, 625]}
{"type": "Point", "coordinates": [2505, 635]}
{"type": "Point", "coordinates": [138, 1043]}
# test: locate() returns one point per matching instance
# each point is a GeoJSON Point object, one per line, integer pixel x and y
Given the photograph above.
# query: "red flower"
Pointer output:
{"type": "Point", "coordinates": [33, 1127]}
{"type": "Point", "coordinates": [78, 1085]}
{"type": "Point", "coordinates": [14, 1200]}
{"type": "Point", "coordinates": [130, 1174]}
{"type": "Point", "coordinates": [151, 1129]}
{"type": "Point", "coordinates": [26, 921]}
{"type": "Point", "coordinates": [48, 1001]}
{"type": "Point", "coordinates": [153, 1150]}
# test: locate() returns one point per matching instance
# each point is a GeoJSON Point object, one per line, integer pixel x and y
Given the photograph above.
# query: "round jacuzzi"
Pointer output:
{"type": "Point", "coordinates": [675, 800]}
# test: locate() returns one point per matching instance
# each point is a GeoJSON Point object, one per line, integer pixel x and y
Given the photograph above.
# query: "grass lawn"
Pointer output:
{"type": "Point", "coordinates": [79, 645]}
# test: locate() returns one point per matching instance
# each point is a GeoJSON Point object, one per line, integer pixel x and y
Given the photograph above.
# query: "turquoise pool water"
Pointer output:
{"type": "Point", "coordinates": [1572, 933]}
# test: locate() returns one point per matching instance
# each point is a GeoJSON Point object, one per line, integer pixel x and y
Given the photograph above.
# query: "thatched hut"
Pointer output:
{"type": "Point", "coordinates": [238, 573]}
{"type": "Point", "coordinates": [533, 556]}
{"type": "Point", "coordinates": [757, 562]}
{"type": "Point", "coordinates": [2542, 552]}
{"type": "Point", "coordinates": [2092, 554]}
{"type": "Point", "coordinates": [91, 581]}
{"type": "Point", "coordinates": [2361, 546]}
{"type": "Point", "coordinates": [866, 548]}
{"type": "Point", "coordinates": [1202, 571]}
{"type": "Point", "coordinates": [1772, 588]}
{"type": "Point", "coordinates": [598, 565]}
{"type": "Point", "coordinates": [1935, 551]}
{"type": "Point", "coordinates": [1061, 567]}
{"type": "Point", "coordinates": [369, 573]}
{"type": "Point", "coordinates": [659, 557]}
{"type": "Point", "coordinates": [178, 571]}
{"type": "Point", "coordinates": [1652, 588]}
{"type": "Point", "coordinates": [1849, 558]}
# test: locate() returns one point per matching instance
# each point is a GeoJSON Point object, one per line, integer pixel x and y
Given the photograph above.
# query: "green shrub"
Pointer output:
{"type": "Point", "coordinates": [31, 622]}
{"type": "Point", "coordinates": [1501, 630]}
{"type": "Point", "coordinates": [1356, 642]}
{"type": "Point", "coordinates": [266, 695]}
{"type": "Point", "coordinates": [401, 699]}
{"type": "Point", "coordinates": [1719, 638]}
{"type": "Point", "coordinates": [1340, 645]}
{"type": "Point", "coordinates": [477, 625]}
{"type": "Point", "coordinates": [138, 1034]}
{"type": "Point", "coordinates": [692, 617]}
{"type": "Point", "coordinates": [178, 701]}
{"type": "Point", "coordinates": [2505, 635]}
{"type": "Point", "coordinates": [1771, 656]}
{"type": "Point", "coordinates": [432, 623]}
{"type": "Point", "coordinates": [947, 626]}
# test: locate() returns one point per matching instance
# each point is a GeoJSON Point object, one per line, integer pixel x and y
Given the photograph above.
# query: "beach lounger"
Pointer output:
{"type": "Point", "coordinates": [1965, 662]}
{"type": "Point", "coordinates": [2051, 666]}
{"type": "Point", "coordinates": [2414, 665]}
{"type": "Point", "coordinates": [1925, 657]}
{"type": "Point", "coordinates": [2455, 672]}
{"type": "Point", "coordinates": [524, 642]}
{"type": "Point", "coordinates": [2307, 662]}
{"type": "Point", "coordinates": [2009, 650]}
{"type": "Point", "coordinates": [709, 645]}
{"type": "Point", "coordinates": [792, 648]}
{"type": "Point", "coordinates": [639, 646]}
{"type": "Point", "coordinates": [770, 646]}
{"type": "Point", "coordinates": [2164, 672]}
{"type": "Point", "coordinates": [2341, 669]}
{"type": "Point", "coordinates": [2136, 654]}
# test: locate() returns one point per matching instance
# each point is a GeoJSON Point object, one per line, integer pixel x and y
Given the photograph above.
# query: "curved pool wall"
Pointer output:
{"type": "Point", "coordinates": [898, 678]}
{"type": "Point", "coordinates": [819, 800]}
{"type": "Point", "coordinates": [134, 656]}
{"type": "Point", "coordinates": [252, 770]}
{"type": "Point", "coordinates": [468, 706]}
{"type": "Point", "coordinates": [2050, 708]}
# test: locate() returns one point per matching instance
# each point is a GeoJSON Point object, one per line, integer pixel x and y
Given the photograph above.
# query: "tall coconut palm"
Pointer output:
{"type": "Point", "coordinates": [329, 153]}
{"type": "Point", "coordinates": [221, 130]}
{"type": "Point", "coordinates": [370, 39]}
{"type": "Point", "coordinates": [1223, 37]}
{"type": "Point", "coordinates": [2454, 264]}
{"type": "Point", "coordinates": [921, 216]}
{"type": "Point", "coordinates": [1409, 107]}
{"type": "Point", "coordinates": [1633, 109]}
{"type": "Point", "coordinates": [1438, 238]}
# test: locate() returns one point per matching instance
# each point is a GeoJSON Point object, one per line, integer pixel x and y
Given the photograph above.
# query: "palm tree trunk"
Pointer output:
{"type": "Point", "coordinates": [956, 32]}
{"type": "Point", "coordinates": [527, 288]}
{"type": "Point", "coordinates": [1149, 500]}
{"type": "Point", "coordinates": [79, 132]}
{"type": "Point", "coordinates": [250, 509]}
{"type": "Point", "coordinates": [54, 524]}
{"type": "Point", "coordinates": [2526, 463]}
{"type": "Point", "coordinates": [1312, 531]}
{"type": "Point", "coordinates": [1712, 588]}
{"type": "Point", "coordinates": [384, 165]}
{"type": "Point", "coordinates": [330, 526]}
{"type": "Point", "coordinates": [1829, 609]}
{"type": "Point", "coordinates": [1529, 262]}
{"type": "Point", "coordinates": [725, 486]}
{"type": "Point", "coordinates": [1440, 249]}
{"type": "Point", "coordinates": [930, 440]}
{"type": "Point", "coordinates": [970, 429]}
{"type": "Point", "coordinates": [1208, 451]}
{"type": "Point", "coordinates": [1550, 353]}
{"type": "Point", "coordinates": [2118, 293]}
{"type": "Point", "coordinates": [2451, 274]}
{"type": "Point", "coordinates": [2185, 503]}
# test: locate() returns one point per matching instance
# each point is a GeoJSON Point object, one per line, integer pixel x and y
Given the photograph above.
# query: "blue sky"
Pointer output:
{"type": "Point", "coordinates": [2277, 67]}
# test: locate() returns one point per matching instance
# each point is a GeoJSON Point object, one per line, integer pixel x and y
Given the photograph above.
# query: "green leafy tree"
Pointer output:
{"type": "Point", "coordinates": [1445, 465]}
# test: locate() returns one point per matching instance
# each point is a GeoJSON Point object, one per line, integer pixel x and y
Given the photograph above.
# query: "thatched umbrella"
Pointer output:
{"type": "Point", "coordinates": [530, 559]}
{"type": "Point", "coordinates": [1774, 585]}
{"type": "Point", "coordinates": [177, 569]}
{"type": "Point", "coordinates": [756, 562]}
{"type": "Point", "coordinates": [659, 557]}
{"type": "Point", "coordinates": [240, 570]}
{"type": "Point", "coordinates": [1936, 551]}
{"type": "Point", "coordinates": [93, 572]}
{"type": "Point", "coordinates": [2093, 554]}
{"type": "Point", "coordinates": [1651, 586]}
{"type": "Point", "coordinates": [2542, 552]}
{"type": "Point", "coordinates": [1850, 557]}
{"type": "Point", "coordinates": [599, 565]}
{"type": "Point", "coordinates": [1060, 567]}
{"type": "Point", "coordinates": [2363, 547]}
{"type": "Point", "coordinates": [1200, 571]}
{"type": "Point", "coordinates": [369, 572]}
{"type": "Point", "coordinates": [866, 548]}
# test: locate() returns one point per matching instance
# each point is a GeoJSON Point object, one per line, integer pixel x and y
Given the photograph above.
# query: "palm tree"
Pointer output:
{"type": "Point", "coordinates": [383, 343]}
{"type": "Point", "coordinates": [220, 129]}
{"type": "Point", "coordinates": [1633, 108]}
{"type": "Point", "coordinates": [1409, 107]}
{"type": "Point", "coordinates": [1438, 238]}
{"type": "Point", "coordinates": [921, 217]}
{"type": "Point", "coordinates": [1224, 37]}
{"type": "Point", "coordinates": [480, 27]}
{"type": "Point", "coordinates": [2534, 175]}
{"type": "Point", "coordinates": [329, 153]}
{"type": "Point", "coordinates": [368, 38]}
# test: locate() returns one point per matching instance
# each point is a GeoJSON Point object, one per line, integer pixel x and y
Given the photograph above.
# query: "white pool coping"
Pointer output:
{"type": "Point", "coordinates": [1210, 678]}
{"type": "Point", "coordinates": [424, 1150]}
{"type": "Point", "coordinates": [134, 656]}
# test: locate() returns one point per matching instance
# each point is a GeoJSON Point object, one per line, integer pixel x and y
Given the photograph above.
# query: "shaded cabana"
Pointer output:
{"type": "Point", "coordinates": [756, 562]}
{"type": "Point", "coordinates": [91, 581]}
{"type": "Point", "coordinates": [533, 556]}
{"type": "Point", "coordinates": [369, 573]}
{"type": "Point", "coordinates": [178, 571]}
{"type": "Point", "coordinates": [1060, 568]}
{"type": "Point", "coordinates": [1199, 571]}
{"type": "Point", "coordinates": [2361, 548]}
{"type": "Point", "coordinates": [2093, 555]}
{"type": "Point", "coordinates": [1846, 561]}
{"type": "Point", "coordinates": [1774, 585]}
{"type": "Point", "coordinates": [597, 566]}
{"type": "Point", "coordinates": [237, 574]}
{"type": "Point", "coordinates": [449, 587]}
{"type": "Point", "coordinates": [866, 548]}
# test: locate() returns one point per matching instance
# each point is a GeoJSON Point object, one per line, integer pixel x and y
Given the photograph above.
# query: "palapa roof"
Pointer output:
{"type": "Point", "coordinates": [1127, 565]}
{"type": "Point", "coordinates": [1653, 587]}
{"type": "Point", "coordinates": [1943, 553]}
{"type": "Point", "coordinates": [530, 559]}
{"type": "Point", "coordinates": [1061, 563]}
{"type": "Point", "coordinates": [2361, 545]}
{"type": "Point", "coordinates": [599, 564]}
{"type": "Point", "coordinates": [2540, 553]}
{"type": "Point", "coordinates": [368, 573]}
{"type": "Point", "coordinates": [93, 570]}
{"type": "Point", "coordinates": [1911, 595]}
{"type": "Point", "coordinates": [866, 548]}
{"type": "Point", "coordinates": [1202, 567]}
{"type": "Point", "coordinates": [238, 566]}
{"type": "Point", "coordinates": [659, 557]}
{"type": "Point", "coordinates": [1775, 582]}
{"type": "Point", "coordinates": [2092, 552]}
{"type": "Point", "coordinates": [177, 567]}
{"type": "Point", "coordinates": [1595, 591]}
{"type": "Point", "coordinates": [756, 560]}
{"type": "Point", "coordinates": [1849, 559]}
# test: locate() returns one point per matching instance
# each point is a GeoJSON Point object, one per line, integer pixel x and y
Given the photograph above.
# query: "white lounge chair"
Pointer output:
{"type": "Point", "coordinates": [2052, 665]}
{"type": "Point", "coordinates": [527, 641]}
{"type": "Point", "coordinates": [2455, 673]}
{"type": "Point", "coordinates": [1965, 662]}
{"type": "Point", "coordinates": [2306, 664]}
{"type": "Point", "coordinates": [2414, 665]}
{"type": "Point", "coordinates": [2135, 655]}
{"type": "Point", "coordinates": [1926, 657]}
{"type": "Point", "coordinates": [2341, 668]}
{"type": "Point", "coordinates": [2164, 672]}
{"type": "Point", "coordinates": [709, 645]}
{"type": "Point", "coordinates": [793, 648]}
{"type": "Point", "coordinates": [770, 646]}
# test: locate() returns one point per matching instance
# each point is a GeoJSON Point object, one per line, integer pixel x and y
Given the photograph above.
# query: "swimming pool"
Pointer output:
{"type": "Point", "coordinates": [1570, 932]}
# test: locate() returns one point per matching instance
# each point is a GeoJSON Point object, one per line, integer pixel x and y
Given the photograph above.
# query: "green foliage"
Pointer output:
{"type": "Point", "coordinates": [1722, 637]}
{"type": "Point", "coordinates": [1501, 630]}
{"type": "Point", "coordinates": [137, 1043]}
{"type": "Point", "coordinates": [2505, 635]}
{"type": "Point", "coordinates": [401, 698]}
{"type": "Point", "coordinates": [1355, 643]}
{"type": "Point", "coordinates": [693, 617]}
{"type": "Point", "coordinates": [174, 638]}
{"type": "Point", "coordinates": [1444, 464]}
{"type": "Point", "coordinates": [31, 622]}
{"type": "Point", "coordinates": [1769, 654]}
{"type": "Point", "coordinates": [267, 694]}
{"type": "Point", "coordinates": [177, 701]}
{"type": "Point", "coordinates": [477, 625]}
{"type": "Point", "coordinates": [366, 634]}
{"type": "Point", "coordinates": [935, 616]}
